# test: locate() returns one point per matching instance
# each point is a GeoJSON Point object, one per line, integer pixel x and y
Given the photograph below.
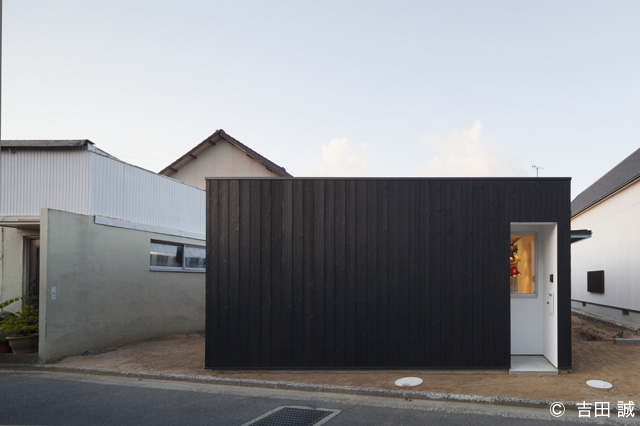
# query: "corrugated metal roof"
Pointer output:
{"type": "Point", "coordinates": [44, 144]}
{"type": "Point", "coordinates": [616, 179]}
{"type": "Point", "coordinates": [215, 137]}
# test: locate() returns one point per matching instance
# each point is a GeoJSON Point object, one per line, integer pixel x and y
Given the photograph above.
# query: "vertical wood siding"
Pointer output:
{"type": "Point", "coordinates": [371, 273]}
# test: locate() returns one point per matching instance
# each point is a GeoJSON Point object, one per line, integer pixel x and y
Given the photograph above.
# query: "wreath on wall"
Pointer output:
{"type": "Point", "coordinates": [513, 260]}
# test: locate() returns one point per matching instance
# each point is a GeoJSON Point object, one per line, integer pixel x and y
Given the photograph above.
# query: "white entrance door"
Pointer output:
{"type": "Point", "coordinates": [526, 307]}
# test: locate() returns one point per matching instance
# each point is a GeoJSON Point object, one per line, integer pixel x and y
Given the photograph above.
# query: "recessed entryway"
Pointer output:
{"type": "Point", "coordinates": [533, 289]}
{"type": "Point", "coordinates": [32, 285]}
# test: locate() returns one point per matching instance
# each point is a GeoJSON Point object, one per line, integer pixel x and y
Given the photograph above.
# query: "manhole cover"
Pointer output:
{"type": "Point", "coordinates": [294, 416]}
{"type": "Point", "coordinates": [600, 384]}
{"type": "Point", "coordinates": [409, 381]}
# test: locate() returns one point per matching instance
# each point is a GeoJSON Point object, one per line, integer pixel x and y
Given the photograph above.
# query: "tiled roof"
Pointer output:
{"type": "Point", "coordinates": [616, 179]}
{"type": "Point", "coordinates": [221, 134]}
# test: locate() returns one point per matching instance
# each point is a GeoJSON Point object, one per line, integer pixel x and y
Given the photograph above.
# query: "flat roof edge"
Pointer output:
{"type": "Point", "coordinates": [568, 179]}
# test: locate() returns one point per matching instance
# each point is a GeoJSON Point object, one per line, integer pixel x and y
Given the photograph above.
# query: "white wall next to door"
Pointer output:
{"type": "Point", "coordinates": [549, 255]}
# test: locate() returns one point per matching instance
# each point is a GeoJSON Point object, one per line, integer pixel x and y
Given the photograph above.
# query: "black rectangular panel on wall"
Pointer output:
{"type": "Point", "coordinates": [595, 282]}
{"type": "Point", "coordinates": [371, 273]}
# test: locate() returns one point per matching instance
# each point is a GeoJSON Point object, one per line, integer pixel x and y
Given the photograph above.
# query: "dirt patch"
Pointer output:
{"type": "Point", "coordinates": [595, 356]}
{"type": "Point", "coordinates": [593, 331]}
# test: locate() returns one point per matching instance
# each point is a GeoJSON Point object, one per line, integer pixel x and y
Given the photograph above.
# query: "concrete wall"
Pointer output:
{"type": "Point", "coordinates": [220, 160]}
{"type": "Point", "coordinates": [614, 248]}
{"type": "Point", "coordinates": [105, 293]}
{"type": "Point", "coordinates": [12, 265]}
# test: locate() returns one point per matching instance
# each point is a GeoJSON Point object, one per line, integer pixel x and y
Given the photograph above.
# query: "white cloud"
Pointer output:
{"type": "Point", "coordinates": [467, 153]}
{"type": "Point", "coordinates": [339, 159]}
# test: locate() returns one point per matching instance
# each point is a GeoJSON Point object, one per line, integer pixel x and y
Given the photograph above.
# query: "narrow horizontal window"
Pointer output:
{"type": "Point", "coordinates": [165, 256]}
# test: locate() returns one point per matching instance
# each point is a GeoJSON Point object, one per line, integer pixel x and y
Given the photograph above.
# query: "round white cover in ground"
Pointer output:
{"type": "Point", "coordinates": [409, 381]}
{"type": "Point", "coordinates": [600, 384]}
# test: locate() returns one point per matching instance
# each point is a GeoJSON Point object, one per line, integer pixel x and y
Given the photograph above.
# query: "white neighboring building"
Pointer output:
{"type": "Point", "coordinates": [113, 252]}
{"type": "Point", "coordinates": [220, 155]}
{"type": "Point", "coordinates": [606, 267]}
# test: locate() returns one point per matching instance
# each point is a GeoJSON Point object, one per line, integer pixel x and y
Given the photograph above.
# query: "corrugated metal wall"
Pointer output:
{"type": "Point", "coordinates": [130, 193]}
{"type": "Point", "coordinates": [33, 179]}
{"type": "Point", "coordinates": [85, 182]}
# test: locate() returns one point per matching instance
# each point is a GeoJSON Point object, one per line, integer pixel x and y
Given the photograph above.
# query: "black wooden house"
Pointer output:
{"type": "Point", "coordinates": [387, 273]}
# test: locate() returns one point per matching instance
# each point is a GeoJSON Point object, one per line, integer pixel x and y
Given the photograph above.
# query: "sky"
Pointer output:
{"type": "Point", "coordinates": [334, 88]}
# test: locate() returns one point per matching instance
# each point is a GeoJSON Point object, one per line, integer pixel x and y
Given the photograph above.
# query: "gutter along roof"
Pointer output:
{"type": "Point", "coordinates": [44, 144]}
{"type": "Point", "coordinates": [53, 145]}
{"type": "Point", "coordinates": [580, 234]}
{"type": "Point", "coordinates": [616, 179]}
{"type": "Point", "coordinates": [217, 136]}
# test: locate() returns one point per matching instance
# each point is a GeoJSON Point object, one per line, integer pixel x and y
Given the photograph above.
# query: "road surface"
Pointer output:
{"type": "Point", "coordinates": [54, 398]}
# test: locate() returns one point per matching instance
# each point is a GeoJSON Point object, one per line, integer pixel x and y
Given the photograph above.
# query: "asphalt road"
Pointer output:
{"type": "Point", "coordinates": [53, 398]}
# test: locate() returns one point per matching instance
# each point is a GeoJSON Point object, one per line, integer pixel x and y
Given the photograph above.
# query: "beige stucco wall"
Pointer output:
{"type": "Point", "coordinates": [105, 293]}
{"type": "Point", "coordinates": [220, 160]}
{"type": "Point", "coordinates": [12, 264]}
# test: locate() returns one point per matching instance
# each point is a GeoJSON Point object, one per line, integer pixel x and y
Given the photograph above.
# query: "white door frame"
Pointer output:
{"type": "Point", "coordinates": [534, 320]}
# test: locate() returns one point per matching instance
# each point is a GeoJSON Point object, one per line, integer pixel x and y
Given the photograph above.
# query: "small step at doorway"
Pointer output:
{"type": "Point", "coordinates": [531, 365]}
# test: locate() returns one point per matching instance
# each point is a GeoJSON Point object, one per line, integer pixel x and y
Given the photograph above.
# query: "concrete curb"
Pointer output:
{"type": "Point", "coordinates": [634, 328]}
{"type": "Point", "coordinates": [627, 340]}
{"type": "Point", "coordinates": [351, 390]}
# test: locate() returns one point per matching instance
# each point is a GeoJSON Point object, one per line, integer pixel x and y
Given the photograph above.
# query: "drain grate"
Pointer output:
{"type": "Point", "coordinates": [294, 416]}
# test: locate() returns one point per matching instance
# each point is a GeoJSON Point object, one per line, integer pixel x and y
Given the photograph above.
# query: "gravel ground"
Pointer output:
{"type": "Point", "coordinates": [595, 356]}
